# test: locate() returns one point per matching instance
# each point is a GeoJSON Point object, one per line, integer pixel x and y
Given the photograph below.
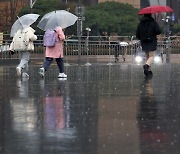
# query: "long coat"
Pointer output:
{"type": "Point", "coordinates": [57, 50]}
{"type": "Point", "coordinates": [30, 37]}
{"type": "Point", "coordinates": [148, 46]}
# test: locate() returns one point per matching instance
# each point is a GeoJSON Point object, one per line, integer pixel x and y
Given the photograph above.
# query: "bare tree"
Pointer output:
{"type": "Point", "coordinates": [6, 18]}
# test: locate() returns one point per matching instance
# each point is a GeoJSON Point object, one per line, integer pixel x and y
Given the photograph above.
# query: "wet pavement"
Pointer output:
{"type": "Point", "coordinates": [99, 109]}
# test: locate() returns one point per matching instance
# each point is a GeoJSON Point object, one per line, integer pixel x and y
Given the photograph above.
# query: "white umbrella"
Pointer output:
{"type": "Point", "coordinates": [123, 44]}
{"type": "Point", "coordinates": [57, 18]}
{"type": "Point", "coordinates": [23, 22]}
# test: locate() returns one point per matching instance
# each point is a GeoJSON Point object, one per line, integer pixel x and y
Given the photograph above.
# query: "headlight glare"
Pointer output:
{"type": "Point", "coordinates": [138, 59]}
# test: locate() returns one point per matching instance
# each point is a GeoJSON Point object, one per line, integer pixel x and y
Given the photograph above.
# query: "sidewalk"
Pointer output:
{"type": "Point", "coordinates": [99, 109]}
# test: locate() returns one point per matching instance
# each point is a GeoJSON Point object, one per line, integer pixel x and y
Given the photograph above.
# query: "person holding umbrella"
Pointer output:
{"type": "Point", "coordinates": [23, 43]}
{"type": "Point", "coordinates": [23, 37]}
{"type": "Point", "coordinates": [56, 52]}
{"type": "Point", "coordinates": [147, 31]}
{"type": "Point", "coordinates": [55, 21]}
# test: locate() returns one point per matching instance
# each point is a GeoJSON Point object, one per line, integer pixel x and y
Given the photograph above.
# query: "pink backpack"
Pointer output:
{"type": "Point", "coordinates": [49, 39]}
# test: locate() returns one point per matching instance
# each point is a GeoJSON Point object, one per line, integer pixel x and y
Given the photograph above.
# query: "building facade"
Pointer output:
{"type": "Point", "coordinates": [174, 4]}
{"type": "Point", "coordinates": [8, 13]}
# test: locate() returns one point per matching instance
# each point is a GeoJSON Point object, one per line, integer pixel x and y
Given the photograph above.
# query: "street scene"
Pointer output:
{"type": "Point", "coordinates": [89, 77]}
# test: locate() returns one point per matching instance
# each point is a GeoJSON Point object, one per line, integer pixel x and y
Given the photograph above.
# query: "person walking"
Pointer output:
{"type": "Point", "coordinates": [147, 31]}
{"type": "Point", "coordinates": [23, 43]}
{"type": "Point", "coordinates": [116, 52]}
{"type": "Point", "coordinates": [55, 52]}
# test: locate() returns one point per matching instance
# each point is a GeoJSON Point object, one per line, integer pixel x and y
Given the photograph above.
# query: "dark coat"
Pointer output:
{"type": "Point", "coordinates": [154, 30]}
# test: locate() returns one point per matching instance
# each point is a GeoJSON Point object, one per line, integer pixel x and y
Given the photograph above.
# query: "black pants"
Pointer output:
{"type": "Point", "coordinates": [59, 62]}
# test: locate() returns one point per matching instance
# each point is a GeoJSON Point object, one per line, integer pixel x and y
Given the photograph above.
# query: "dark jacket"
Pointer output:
{"type": "Point", "coordinates": [154, 30]}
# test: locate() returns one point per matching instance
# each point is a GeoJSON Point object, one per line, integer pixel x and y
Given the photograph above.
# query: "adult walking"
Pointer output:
{"type": "Point", "coordinates": [55, 52]}
{"type": "Point", "coordinates": [147, 31]}
{"type": "Point", "coordinates": [23, 43]}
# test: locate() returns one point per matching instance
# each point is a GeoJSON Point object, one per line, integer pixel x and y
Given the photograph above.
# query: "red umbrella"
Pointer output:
{"type": "Point", "coordinates": [155, 9]}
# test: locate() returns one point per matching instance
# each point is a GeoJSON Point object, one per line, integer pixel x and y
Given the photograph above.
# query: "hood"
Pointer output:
{"type": "Point", "coordinates": [146, 19]}
{"type": "Point", "coordinates": [59, 30]}
{"type": "Point", "coordinates": [29, 29]}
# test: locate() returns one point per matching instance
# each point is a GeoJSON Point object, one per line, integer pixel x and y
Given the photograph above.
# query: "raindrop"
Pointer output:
{"type": "Point", "coordinates": [115, 152]}
{"type": "Point", "coordinates": [158, 140]}
{"type": "Point", "coordinates": [89, 140]}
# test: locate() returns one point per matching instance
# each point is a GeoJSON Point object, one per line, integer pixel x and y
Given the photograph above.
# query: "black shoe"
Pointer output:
{"type": "Point", "coordinates": [146, 67]}
{"type": "Point", "coordinates": [150, 73]}
{"type": "Point", "coordinates": [116, 60]}
{"type": "Point", "coordinates": [148, 77]}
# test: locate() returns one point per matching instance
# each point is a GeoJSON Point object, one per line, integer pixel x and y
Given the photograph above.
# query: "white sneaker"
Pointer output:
{"type": "Point", "coordinates": [62, 79]}
{"type": "Point", "coordinates": [25, 75]}
{"type": "Point", "coordinates": [41, 72]}
{"type": "Point", "coordinates": [62, 75]}
{"type": "Point", "coordinates": [19, 71]}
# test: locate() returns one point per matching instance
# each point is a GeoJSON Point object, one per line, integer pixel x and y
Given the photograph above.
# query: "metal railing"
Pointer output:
{"type": "Point", "coordinates": [100, 49]}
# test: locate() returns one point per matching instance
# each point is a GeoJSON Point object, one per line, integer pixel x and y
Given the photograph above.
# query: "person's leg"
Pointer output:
{"type": "Point", "coordinates": [24, 59]}
{"type": "Point", "coordinates": [149, 61]}
{"type": "Point", "coordinates": [23, 65]}
{"type": "Point", "coordinates": [60, 64]}
{"type": "Point", "coordinates": [116, 52]}
{"type": "Point", "coordinates": [46, 64]}
{"type": "Point", "coordinates": [150, 58]}
{"type": "Point", "coordinates": [124, 52]}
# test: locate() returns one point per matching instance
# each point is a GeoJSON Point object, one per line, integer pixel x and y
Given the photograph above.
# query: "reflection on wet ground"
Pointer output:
{"type": "Point", "coordinates": [98, 110]}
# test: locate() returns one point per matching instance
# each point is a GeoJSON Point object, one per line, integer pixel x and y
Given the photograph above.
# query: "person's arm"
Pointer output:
{"type": "Point", "coordinates": [61, 35]}
{"type": "Point", "coordinates": [32, 36]}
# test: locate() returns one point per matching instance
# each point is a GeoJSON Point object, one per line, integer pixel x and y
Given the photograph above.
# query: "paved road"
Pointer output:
{"type": "Point", "coordinates": [99, 109]}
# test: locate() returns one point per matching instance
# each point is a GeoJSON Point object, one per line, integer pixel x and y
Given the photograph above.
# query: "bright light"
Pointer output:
{"type": "Point", "coordinates": [157, 59]}
{"type": "Point", "coordinates": [88, 29]}
{"type": "Point", "coordinates": [138, 59]}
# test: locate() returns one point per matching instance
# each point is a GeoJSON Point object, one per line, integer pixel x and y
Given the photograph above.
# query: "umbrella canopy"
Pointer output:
{"type": "Point", "coordinates": [123, 44]}
{"type": "Point", "coordinates": [23, 22]}
{"type": "Point", "coordinates": [60, 18]}
{"type": "Point", "coordinates": [155, 9]}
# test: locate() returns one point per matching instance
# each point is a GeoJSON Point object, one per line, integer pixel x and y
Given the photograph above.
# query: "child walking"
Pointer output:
{"type": "Point", "coordinates": [55, 52]}
{"type": "Point", "coordinates": [24, 51]}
